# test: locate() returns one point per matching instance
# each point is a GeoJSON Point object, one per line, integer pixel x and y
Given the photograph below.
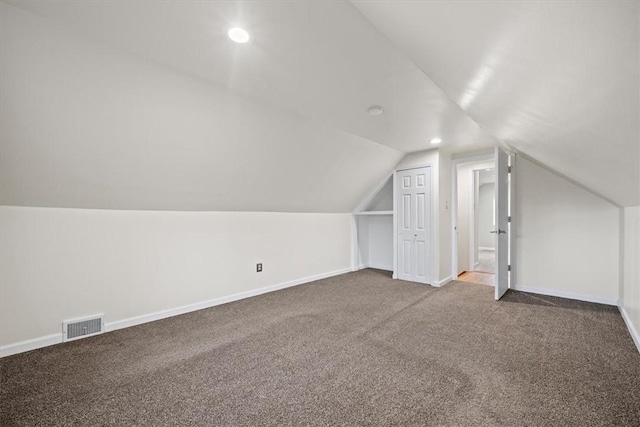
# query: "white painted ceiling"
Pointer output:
{"type": "Point", "coordinates": [321, 59]}
{"type": "Point", "coordinates": [148, 105]}
{"type": "Point", "coordinates": [557, 80]}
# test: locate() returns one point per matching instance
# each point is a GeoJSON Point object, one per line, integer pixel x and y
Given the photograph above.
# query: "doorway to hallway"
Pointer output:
{"type": "Point", "coordinates": [483, 188]}
{"type": "Point", "coordinates": [476, 219]}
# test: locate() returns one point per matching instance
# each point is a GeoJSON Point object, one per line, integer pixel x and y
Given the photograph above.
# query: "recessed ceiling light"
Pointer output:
{"type": "Point", "coordinates": [238, 35]}
{"type": "Point", "coordinates": [436, 141]}
{"type": "Point", "coordinates": [376, 110]}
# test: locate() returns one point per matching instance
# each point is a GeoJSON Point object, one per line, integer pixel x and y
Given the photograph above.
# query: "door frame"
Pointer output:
{"type": "Point", "coordinates": [489, 155]}
{"type": "Point", "coordinates": [454, 204]}
{"type": "Point", "coordinates": [434, 184]}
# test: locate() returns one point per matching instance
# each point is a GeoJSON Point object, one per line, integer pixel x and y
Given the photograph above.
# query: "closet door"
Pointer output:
{"type": "Point", "coordinates": [413, 203]}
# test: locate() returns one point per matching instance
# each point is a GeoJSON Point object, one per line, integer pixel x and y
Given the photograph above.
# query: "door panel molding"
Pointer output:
{"type": "Point", "coordinates": [414, 218]}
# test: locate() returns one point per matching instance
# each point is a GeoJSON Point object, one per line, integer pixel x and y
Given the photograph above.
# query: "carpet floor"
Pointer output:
{"type": "Point", "coordinates": [356, 349]}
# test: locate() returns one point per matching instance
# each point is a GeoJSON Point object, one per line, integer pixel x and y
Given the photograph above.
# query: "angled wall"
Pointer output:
{"type": "Point", "coordinates": [567, 237]}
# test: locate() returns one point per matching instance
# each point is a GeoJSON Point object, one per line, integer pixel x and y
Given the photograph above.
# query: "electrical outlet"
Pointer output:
{"type": "Point", "coordinates": [259, 267]}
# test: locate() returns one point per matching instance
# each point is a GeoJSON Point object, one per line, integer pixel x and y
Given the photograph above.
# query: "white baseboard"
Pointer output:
{"type": "Point", "coordinates": [443, 282]}
{"type": "Point", "coordinates": [33, 344]}
{"type": "Point", "coordinates": [568, 295]}
{"type": "Point", "coordinates": [376, 266]}
{"type": "Point", "coordinates": [486, 248]}
{"type": "Point", "coordinates": [632, 329]}
{"type": "Point", "coordinates": [133, 321]}
{"type": "Point", "coordinates": [381, 267]}
{"type": "Point", "coordinates": [28, 345]}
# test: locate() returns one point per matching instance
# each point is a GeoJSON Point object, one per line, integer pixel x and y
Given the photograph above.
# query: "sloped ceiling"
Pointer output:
{"type": "Point", "coordinates": [557, 81]}
{"type": "Point", "coordinates": [83, 126]}
{"type": "Point", "coordinates": [149, 105]}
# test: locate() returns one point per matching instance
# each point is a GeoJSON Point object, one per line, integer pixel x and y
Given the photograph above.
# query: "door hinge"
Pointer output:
{"type": "Point", "coordinates": [509, 218]}
{"type": "Point", "coordinates": [509, 169]}
{"type": "Point", "coordinates": [508, 268]}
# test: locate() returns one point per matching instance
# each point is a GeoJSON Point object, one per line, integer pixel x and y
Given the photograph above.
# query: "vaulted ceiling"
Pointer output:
{"type": "Point", "coordinates": [149, 105]}
{"type": "Point", "coordinates": [558, 81]}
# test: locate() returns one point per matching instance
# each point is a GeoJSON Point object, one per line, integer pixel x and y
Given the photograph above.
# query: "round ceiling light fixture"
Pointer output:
{"type": "Point", "coordinates": [436, 141]}
{"type": "Point", "coordinates": [238, 35]}
{"type": "Point", "coordinates": [376, 110]}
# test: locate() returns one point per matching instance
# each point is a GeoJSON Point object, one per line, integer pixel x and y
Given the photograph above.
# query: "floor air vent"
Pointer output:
{"type": "Point", "coordinates": [80, 328]}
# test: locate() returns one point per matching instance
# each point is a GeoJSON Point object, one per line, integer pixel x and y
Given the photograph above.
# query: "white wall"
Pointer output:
{"type": "Point", "coordinates": [567, 238]}
{"type": "Point", "coordinates": [420, 158]}
{"type": "Point", "coordinates": [375, 241]}
{"type": "Point", "coordinates": [60, 264]}
{"type": "Point", "coordinates": [630, 285]}
{"type": "Point", "coordinates": [362, 248]}
{"type": "Point", "coordinates": [486, 205]}
{"type": "Point", "coordinates": [383, 200]}
{"type": "Point", "coordinates": [443, 219]}
{"type": "Point", "coordinates": [381, 242]}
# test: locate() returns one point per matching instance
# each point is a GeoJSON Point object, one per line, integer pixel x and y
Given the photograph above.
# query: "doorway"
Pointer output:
{"type": "Point", "coordinates": [483, 221]}
{"type": "Point", "coordinates": [469, 258]}
{"type": "Point", "coordinates": [475, 221]}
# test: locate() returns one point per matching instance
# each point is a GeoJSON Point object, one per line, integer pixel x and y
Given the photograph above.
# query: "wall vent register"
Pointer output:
{"type": "Point", "coordinates": [81, 328]}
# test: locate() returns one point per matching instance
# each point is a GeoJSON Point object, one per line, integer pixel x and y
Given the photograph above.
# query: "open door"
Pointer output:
{"type": "Point", "coordinates": [502, 222]}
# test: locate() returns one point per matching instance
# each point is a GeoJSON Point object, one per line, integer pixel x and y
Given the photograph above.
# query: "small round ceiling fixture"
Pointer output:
{"type": "Point", "coordinates": [238, 35]}
{"type": "Point", "coordinates": [436, 141]}
{"type": "Point", "coordinates": [376, 110]}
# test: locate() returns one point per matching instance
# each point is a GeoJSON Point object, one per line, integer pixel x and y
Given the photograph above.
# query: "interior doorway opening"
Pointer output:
{"type": "Point", "coordinates": [475, 221]}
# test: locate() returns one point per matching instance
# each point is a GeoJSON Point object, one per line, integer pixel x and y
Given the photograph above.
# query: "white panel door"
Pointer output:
{"type": "Point", "coordinates": [502, 222]}
{"type": "Point", "coordinates": [413, 192]}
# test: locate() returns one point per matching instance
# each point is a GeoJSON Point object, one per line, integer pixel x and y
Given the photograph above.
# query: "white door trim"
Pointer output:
{"type": "Point", "coordinates": [354, 243]}
{"type": "Point", "coordinates": [433, 280]}
{"type": "Point", "coordinates": [512, 224]}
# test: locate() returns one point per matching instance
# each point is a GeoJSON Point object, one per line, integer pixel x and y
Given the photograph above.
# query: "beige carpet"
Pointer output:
{"type": "Point", "coordinates": [358, 349]}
